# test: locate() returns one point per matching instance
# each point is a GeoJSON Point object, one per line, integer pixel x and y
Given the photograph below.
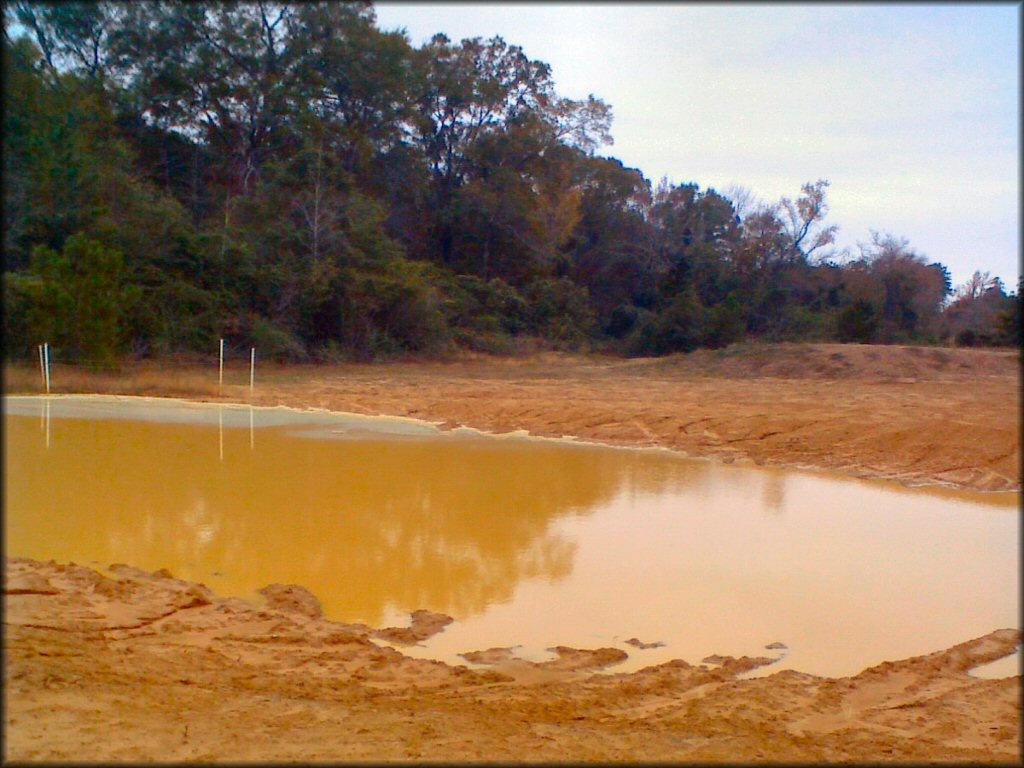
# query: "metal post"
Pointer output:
{"type": "Point", "coordinates": [252, 367]}
{"type": "Point", "coordinates": [46, 357]}
{"type": "Point", "coordinates": [220, 375]}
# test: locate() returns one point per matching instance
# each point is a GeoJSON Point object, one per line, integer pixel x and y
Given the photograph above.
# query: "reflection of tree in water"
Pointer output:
{"type": "Point", "coordinates": [451, 525]}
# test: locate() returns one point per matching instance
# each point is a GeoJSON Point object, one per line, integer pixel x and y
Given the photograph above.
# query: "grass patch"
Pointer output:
{"type": "Point", "coordinates": [145, 379]}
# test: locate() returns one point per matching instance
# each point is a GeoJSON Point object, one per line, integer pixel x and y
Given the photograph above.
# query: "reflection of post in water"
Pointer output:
{"type": "Point", "coordinates": [44, 418]}
{"type": "Point", "coordinates": [252, 441]}
{"type": "Point", "coordinates": [220, 429]}
{"type": "Point", "coordinates": [773, 493]}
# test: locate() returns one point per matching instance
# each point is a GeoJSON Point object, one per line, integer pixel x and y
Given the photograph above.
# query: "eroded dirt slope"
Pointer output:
{"type": "Point", "coordinates": [144, 667]}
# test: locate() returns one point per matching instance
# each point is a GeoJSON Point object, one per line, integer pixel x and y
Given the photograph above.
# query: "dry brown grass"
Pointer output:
{"type": "Point", "coordinates": [193, 377]}
{"type": "Point", "coordinates": [147, 379]}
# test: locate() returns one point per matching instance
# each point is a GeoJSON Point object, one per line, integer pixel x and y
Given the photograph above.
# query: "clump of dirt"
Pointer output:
{"type": "Point", "coordinates": [425, 624]}
{"type": "Point", "coordinates": [575, 658]}
{"type": "Point", "coordinates": [636, 643]}
{"type": "Point", "coordinates": [292, 598]}
{"type": "Point", "coordinates": [490, 656]}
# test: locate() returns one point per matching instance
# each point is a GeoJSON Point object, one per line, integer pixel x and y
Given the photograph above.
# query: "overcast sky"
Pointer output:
{"type": "Point", "coordinates": [912, 112]}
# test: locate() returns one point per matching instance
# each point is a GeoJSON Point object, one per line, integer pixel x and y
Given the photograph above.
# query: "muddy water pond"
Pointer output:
{"type": "Point", "coordinates": [525, 542]}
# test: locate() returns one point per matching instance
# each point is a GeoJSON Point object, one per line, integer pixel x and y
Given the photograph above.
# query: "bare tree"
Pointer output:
{"type": "Point", "coordinates": [803, 225]}
{"type": "Point", "coordinates": [743, 200]}
{"type": "Point", "coordinates": [978, 285]}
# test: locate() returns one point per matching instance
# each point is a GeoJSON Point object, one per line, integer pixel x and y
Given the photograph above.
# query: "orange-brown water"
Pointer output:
{"type": "Point", "coordinates": [524, 542]}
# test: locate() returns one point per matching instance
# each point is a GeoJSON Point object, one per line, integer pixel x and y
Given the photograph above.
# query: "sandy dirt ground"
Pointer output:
{"type": "Point", "coordinates": [136, 666]}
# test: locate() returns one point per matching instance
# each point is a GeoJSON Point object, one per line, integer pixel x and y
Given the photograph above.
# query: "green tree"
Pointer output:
{"type": "Point", "coordinates": [611, 250]}
{"type": "Point", "coordinates": [79, 297]}
{"type": "Point", "coordinates": [1010, 318]}
{"type": "Point", "coordinates": [979, 313]}
{"type": "Point", "coordinates": [857, 322]}
{"type": "Point", "coordinates": [355, 78]}
{"type": "Point", "coordinates": [225, 72]}
{"type": "Point", "coordinates": [560, 310]}
{"type": "Point", "coordinates": [473, 91]}
{"type": "Point", "coordinates": [73, 37]}
{"type": "Point", "coordinates": [681, 326]}
{"type": "Point", "coordinates": [910, 290]}
{"type": "Point", "coordinates": [513, 218]}
{"type": "Point", "coordinates": [725, 323]}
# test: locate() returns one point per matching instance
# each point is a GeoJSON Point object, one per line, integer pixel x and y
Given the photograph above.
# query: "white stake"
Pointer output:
{"type": "Point", "coordinates": [46, 357]}
{"type": "Point", "coordinates": [220, 376]}
{"type": "Point", "coordinates": [252, 367]}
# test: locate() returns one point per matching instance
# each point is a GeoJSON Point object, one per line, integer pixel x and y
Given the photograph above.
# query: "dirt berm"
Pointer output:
{"type": "Point", "coordinates": [913, 414]}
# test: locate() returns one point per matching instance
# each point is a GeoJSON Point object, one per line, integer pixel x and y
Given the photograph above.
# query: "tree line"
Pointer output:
{"type": "Point", "coordinates": [293, 177]}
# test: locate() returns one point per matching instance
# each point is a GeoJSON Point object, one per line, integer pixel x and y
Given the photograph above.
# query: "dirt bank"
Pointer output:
{"type": "Point", "coordinates": [144, 667]}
